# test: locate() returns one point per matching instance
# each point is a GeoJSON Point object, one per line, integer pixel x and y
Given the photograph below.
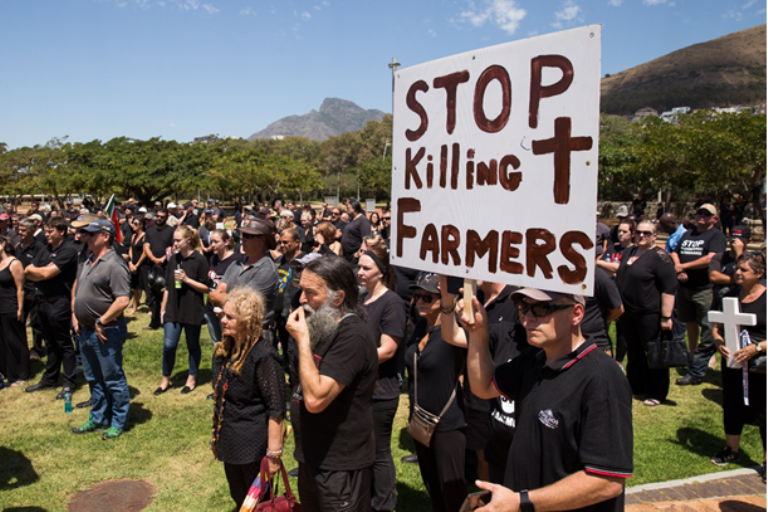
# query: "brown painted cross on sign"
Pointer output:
{"type": "Point", "coordinates": [561, 145]}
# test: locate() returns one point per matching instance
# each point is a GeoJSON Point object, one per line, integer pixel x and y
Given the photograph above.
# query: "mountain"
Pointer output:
{"type": "Point", "coordinates": [335, 117]}
{"type": "Point", "coordinates": [727, 71]}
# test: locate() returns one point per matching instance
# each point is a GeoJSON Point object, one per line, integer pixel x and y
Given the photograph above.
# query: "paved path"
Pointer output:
{"type": "Point", "coordinates": [740, 490]}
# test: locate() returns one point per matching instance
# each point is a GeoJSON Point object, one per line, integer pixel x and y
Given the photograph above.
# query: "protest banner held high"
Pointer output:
{"type": "Point", "coordinates": [495, 162]}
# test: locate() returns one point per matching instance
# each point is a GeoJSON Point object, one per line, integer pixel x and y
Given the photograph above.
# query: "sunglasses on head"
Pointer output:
{"type": "Point", "coordinates": [540, 309]}
{"type": "Point", "coordinates": [426, 297]}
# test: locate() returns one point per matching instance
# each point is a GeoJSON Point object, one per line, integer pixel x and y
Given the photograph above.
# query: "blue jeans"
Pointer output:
{"type": "Point", "coordinates": [214, 327]}
{"type": "Point", "coordinates": [171, 341]}
{"type": "Point", "coordinates": [103, 369]}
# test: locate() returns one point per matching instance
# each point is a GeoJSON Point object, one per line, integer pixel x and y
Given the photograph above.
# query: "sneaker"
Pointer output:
{"type": "Point", "coordinates": [725, 456]}
{"type": "Point", "coordinates": [687, 381]}
{"type": "Point", "coordinates": [112, 433]}
{"type": "Point", "coordinates": [89, 426]}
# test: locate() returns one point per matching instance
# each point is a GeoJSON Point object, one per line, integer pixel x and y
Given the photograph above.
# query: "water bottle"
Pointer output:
{"type": "Point", "coordinates": [67, 403]}
{"type": "Point", "coordinates": [177, 280]}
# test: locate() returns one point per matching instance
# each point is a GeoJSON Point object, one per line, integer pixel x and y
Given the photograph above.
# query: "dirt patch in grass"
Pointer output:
{"type": "Point", "coordinates": [115, 495]}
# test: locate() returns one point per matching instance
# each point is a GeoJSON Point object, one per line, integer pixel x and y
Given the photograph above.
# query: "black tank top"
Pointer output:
{"type": "Point", "coordinates": [8, 302]}
{"type": "Point", "coordinates": [137, 246]}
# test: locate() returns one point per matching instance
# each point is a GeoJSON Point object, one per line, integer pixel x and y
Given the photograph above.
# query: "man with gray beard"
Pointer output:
{"type": "Point", "coordinates": [331, 407]}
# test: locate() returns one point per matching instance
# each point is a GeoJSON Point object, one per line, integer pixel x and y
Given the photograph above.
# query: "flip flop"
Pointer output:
{"type": "Point", "coordinates": [651, 402]}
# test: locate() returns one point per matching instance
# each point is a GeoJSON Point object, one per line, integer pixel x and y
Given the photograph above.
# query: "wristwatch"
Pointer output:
{"type": "Point", "coordinates": [525, 502]}
{"type": "Point", "coordinates": [98, 322]}
{"type": "Point", "coordinates": [758, 347]}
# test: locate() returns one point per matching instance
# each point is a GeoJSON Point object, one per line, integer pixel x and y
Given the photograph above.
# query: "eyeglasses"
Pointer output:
{"type": "Point", "coordinates": [645, 233]}
{"type": "Point", "coordinates": [249, 236]}
{"type": "Point", "coordinates": [427, 298]}
{"type": "Point", "coordinates": [540, 309]}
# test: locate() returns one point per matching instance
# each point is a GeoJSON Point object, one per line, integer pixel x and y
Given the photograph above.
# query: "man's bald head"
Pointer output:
{"type": "Point", "coordinates": [668, 223]}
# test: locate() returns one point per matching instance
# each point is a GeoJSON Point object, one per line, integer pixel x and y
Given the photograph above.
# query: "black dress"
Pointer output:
{"type": "Point", "coordinates": [14, 352]}
{"type": "Point", "coordinates": [139, 279]}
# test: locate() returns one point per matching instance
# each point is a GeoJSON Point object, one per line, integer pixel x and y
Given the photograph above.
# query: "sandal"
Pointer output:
{"type": "Point", "coordinates": [651, 402]}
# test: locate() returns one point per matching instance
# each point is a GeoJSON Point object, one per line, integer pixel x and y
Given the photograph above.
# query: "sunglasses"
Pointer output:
{"type": "Point", "coordinates": [387, 218]}
{"type": "Point", "coordinates": [540, 309]}
{"type": "Point", "coordinates": [705, 214]}
{"type": "Point", "coordinates": [645, 233]}
{"type": "Point", "coordinates": [83, 232]}
{"type": "Point", "coordinates": [427, 298]}
{"type": "Point", "coordinates": [249, 236]}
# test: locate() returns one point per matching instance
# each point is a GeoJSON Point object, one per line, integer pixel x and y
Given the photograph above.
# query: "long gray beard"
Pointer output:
{"type": "Point", "coordinates": [322, 323]}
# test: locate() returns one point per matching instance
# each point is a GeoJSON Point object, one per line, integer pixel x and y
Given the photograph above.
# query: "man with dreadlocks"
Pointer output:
{"type": "Point", "coordinates": [249, 394]}
{"type": "Point", "coordinates": [331, 407]}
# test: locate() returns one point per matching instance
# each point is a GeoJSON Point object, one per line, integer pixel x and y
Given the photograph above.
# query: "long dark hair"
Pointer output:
{"type": "Point", "coordinates": [8, 245]}
{"type": "Point", "coordinates": [339, 276]}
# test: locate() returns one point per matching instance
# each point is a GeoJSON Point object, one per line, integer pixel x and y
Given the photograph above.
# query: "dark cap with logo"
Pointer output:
{"type": "Point", "coordinates": [100, 226]}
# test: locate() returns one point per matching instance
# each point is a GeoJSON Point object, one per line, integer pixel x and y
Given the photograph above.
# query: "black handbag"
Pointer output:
{"type": "Point", "coordinates": [666, 352]}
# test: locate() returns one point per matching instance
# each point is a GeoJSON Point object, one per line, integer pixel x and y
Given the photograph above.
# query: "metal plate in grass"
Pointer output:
{"type": "Point", "coordinates": [115, 496]}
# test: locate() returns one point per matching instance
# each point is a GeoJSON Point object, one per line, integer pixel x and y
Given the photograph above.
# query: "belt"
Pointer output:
{"type": "Point", "coordinates": [50, 299]}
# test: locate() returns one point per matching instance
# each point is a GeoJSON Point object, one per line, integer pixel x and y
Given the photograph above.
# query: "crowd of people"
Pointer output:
{"type": "Point", "coordinates": [528, 392]}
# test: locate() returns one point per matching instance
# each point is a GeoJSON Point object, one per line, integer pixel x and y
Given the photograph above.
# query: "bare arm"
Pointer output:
{"type": "Point", "coordinates": [577, 490]}
{"type": "Point", "coordinates": [480, 365]}
{"type": "Point", "coordinates": [219, 295]}
{"type": "Point", "coordinates": [37, 274]}
{"type": "Point", "coordinates": [702, 262]}
{"type": "Point", "coordinates": [17, 271]}
{"type": "Point", "coordinates": [450, 332]}
{"type": "Point", "coordinates": [610, 267]}
{"type": "Point", "coordinates": [319, 390]}
{"type": "Point", "coordinates": [614, 314]}
{"type": "Point", "coordinates": [116, 309]}
{"type": "Point", "coordinates": [720, 279]}
{"type": "Point", "coordinates": [388, 347]}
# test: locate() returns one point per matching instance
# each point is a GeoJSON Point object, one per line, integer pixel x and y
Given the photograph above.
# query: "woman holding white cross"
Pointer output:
{"type": "Point", "coordinates": [744, 390]}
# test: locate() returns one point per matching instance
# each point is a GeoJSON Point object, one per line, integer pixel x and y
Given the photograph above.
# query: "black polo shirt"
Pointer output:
{"type": "Point", "coordinates": [26, 255]}
{"type": "Point", "coordinates": [65, 259]}
{"type": "Point", "coordinates": [574, 414]}
{"type": "Point", "coordinates": [159, 240]}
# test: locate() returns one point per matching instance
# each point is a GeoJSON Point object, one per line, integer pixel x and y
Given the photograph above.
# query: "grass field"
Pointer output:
{"type": "Point", "coordinates": [42, 464]}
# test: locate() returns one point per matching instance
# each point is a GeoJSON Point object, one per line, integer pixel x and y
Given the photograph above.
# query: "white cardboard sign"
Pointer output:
{"type": "Point", "coordinates": [494, 173]}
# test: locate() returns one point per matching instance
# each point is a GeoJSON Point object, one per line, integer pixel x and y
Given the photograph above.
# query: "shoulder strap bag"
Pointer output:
{"type": "Point", "coordinates": [423, 423]}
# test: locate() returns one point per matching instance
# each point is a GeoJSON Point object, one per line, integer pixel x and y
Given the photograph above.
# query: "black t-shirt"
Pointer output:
{"type": "Point", "coordinates": [642, 283]}
{"type": "Point", "coordinates": [439, 367]}
{"type": "Point", "coordinates": [405, 282]}
{"type": "Point", "coordinates": [159, 240]}
{"type": "Point", "coordinates": [65, 259]}
{"type": "Point", "coordinates": [574, 414]}
{"type": "Point", "coordinates": [693, 245]}
{"type": "Point", "coordinates": [613, 253]}
{"type": "Point", "coordinates": [606, 297]}
{"type": "Point", "coordinates": [127, 232]}
{"type": "Point", "coordinates": [289, 286]}
{"type": "Point", "coordinates": [185, 305]}
{"type": "Point", "coordinates": [506, 340]}
{"type": "Point", "coordinates": [307, 238]}
{"type": "Point", "coordinates": [353, 235]}
{"type": "Point", "coordinates": [387, 315]}
{"type": "Point", "coordinates": [216, 272]}
{"type": "Point", "coordinates": [757, 332]}
{"type": "Point", "coordinates": [724, 263]}
{"type": "Point", "coordinates": [192, 221]}
{"type": "Point", "coordinates": [340, 438]}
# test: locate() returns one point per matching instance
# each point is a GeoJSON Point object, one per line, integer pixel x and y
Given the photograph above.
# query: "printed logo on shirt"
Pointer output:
{"type": "Point", "coordinates": [505, 415]}
{"type": "Point", "coordinates": [692, 247]}
{"type": "Point", "coordinates": [547, 418]}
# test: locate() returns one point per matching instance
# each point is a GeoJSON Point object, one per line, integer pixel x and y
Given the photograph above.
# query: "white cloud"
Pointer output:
{"type": "Point", "coordinates": [172, 125]}
{"type": "Point", "coordinates": [306, 15]}
{"type": "Point", "coordinates": [738, 14]}
{"type": "Point", "coordinates": [248, 12]}
{"type": "Point", "coordinates": [504, 13]}
{"type": "Point", "coordinates": [190, 4]}
{"type": "Point", "coordinates": [326, 3]}
{"type": "Point", "coordinates": [431, 32]}
{"type": "Point", "coordinates": [568, 12]}
{"type": "Point", "coordinates": [654, 2]}
{"type": "Point", "coordinates": [615, 3]}
{"type": "Point", "coordinates": [211, 9]}
{"type": "Point", "coordinates": [317, 7]}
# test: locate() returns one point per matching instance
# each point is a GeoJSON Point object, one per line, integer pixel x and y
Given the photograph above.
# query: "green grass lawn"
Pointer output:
{"type": "Point", "coordinates": [42, 464]}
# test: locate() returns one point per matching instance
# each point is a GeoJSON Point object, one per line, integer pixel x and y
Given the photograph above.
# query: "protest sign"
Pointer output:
{"type": "Point", "coordinates": [494, 172]}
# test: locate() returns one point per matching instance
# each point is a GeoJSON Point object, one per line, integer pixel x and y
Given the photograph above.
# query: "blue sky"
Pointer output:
{"type": "Point", "coordinates": [177, 69]}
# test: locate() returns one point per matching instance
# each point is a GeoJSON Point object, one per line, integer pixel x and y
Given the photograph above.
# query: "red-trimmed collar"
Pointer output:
{"type": "Point", "coordinates": [565, 362]}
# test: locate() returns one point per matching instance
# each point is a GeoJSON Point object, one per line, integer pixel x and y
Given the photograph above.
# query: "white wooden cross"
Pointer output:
{"type": "Point", "coordinates": [731, 319]}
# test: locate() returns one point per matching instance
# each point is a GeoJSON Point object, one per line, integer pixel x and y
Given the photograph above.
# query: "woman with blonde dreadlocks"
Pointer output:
{"type": "Point", "coordinates": [249, 394]}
